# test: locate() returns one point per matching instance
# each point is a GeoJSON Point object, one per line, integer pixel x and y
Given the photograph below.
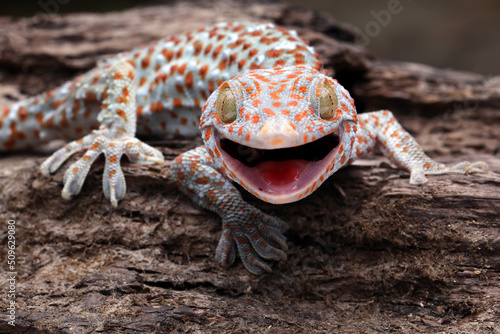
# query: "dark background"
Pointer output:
{"type": "Point", "coordinates": [459, 34]}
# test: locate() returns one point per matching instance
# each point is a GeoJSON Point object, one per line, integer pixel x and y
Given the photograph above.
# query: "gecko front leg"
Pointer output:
{"type": "Point", "coordinates": [381, 131]}
{"type": "Point", "coordinates": [115, 136]}
{"type": "Point", "coordinates": [258, 237]}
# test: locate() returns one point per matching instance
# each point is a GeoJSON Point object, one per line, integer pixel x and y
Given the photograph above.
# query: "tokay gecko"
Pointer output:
{"type": "Point", "coordinates": [271, 121]}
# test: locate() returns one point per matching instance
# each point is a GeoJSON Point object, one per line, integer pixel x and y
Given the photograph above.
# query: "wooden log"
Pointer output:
{"type": "Point", "coordinates": [368, 252]}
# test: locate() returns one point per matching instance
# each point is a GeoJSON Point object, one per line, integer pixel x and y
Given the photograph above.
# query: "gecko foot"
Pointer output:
{"type": "Point", "coordinates": [257, 236]}
{"type": "Point", "coordinates": [466, 167]}
{"type": "Point", "coordinates": [98, 142]}
{"type": "Point", "coordinates": [417, 175]}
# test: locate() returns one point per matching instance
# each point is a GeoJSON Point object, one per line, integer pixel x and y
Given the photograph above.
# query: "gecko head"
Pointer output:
{"type": "Point", "coordinates": [279, 133]}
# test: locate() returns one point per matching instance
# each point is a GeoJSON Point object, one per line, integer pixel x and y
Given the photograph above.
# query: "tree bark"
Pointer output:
{"type": "Point", "coordinates": [368, 252]}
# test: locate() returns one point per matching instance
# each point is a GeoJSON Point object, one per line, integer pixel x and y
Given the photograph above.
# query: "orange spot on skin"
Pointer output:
{"type": "Point", "coordinates": [208, 134]}
{"type": "Point", "coordinates": [203, 72]}
{"type": "Point", "coordinates": [139, 111]}
{"type": "Point", "coordinates": [113, 159]}
{"type": "Point", "coordinates": [198, 46]}
{"type": "Point", "coordinates": [179, 89]}
{"type": "Point", "coordinates": [130, 75]}
{"type": "Point", "coordinates": [217, 152]}
{"type": "Point", "coordinates": [189, 80]}
{"type": "Point", "coordinates": [76, 108]}
{"type": "Point", "coordinates": [274, 53]}
{"type": "Point", "coordinates": [279, 63]}
{"type": "Point", "coordinates": [179, 53]}
{"type": "Point", "coordinates": [247, 136]}
{"type": "Point", "coordinates": [297, 97]}
{"type": "Point", "coordinates": [125, 93]}
{"type": "Point", "coordinates": [275, 95]}
{"type": "Point", "coordinates": [255, 103]}
{"type": "Point", "coordinates": [252, 52]}
{"type": "Point", "coordinates": [255, 119]}
{"type": "Point", "coordinates": [64, 121]}
{"type": "Point", "coordinates": [168, 54]}
{"type": "Point", "coordinates": [177, 103]}
{"type": "Point", "coordinates": [95, 79]}
{"type": "Point", "coordinates": [55, 104]}
{"type": "Point", "coordinates": [142, 82]}
{"type": "Point", "coordinates": [301, 115]}
{"type": "Point", "coordinates": [90, 97]}
{"type": "Point", "coordinates": [277, 141]}
{"type": "Point", "coordinates": [22, 114]}
{"type": "Point", "coordinates": [117, 76]}
{"type": "Point", "coordinates": [122, 114]}
{"type": "Point", "coordinates": [184, 121]}
{"type": "Point", "coordinates": [5, 112]}
{"type": "Point", "coordinates": [50, 122]}
{"type": "Point", "coordinates": [269, 112]}
{"type": "Point", "coordinates": [153, 107]}
{"type": "Point", "coordinates": [182, 69]}
{"type": "Point", "coordinates": [261, 78]}
{"type": "Point", "coordinates": [208, 49]}
{"type": "Point", "coordinates": [217, 52]}
{"type": "Point", "coordinates": [203, 180]}
{"type": "Point", "coordinates": [241, 63]}
{"type": "Point", "coordinates": [145, 63]}
{"type": "Point", "coordinates": [276, 104]}
{"type": "Point", "coordinates": [222, 64]}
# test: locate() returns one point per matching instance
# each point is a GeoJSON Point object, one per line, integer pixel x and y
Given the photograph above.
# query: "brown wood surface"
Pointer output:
{"type": "Point", "coordinates": [368, 252]}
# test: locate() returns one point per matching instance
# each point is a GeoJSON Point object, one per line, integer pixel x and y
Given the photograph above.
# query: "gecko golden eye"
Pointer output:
{"type": "Point", "coordinates": [328, 102]}
{"type": "Point", "coordinates": [226, 105]}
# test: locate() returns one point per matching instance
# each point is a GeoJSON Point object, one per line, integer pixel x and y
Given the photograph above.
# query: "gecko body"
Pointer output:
{"type": "Point", "coordinates": [271, 121]}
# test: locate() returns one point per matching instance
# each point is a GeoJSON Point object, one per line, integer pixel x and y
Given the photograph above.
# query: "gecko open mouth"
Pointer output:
{"type": "Point", "coordinates": [280, 172]}
{"type": "Point", "coordinates": [251, 157]}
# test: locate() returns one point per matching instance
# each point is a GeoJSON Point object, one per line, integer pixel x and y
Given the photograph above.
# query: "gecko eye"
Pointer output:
{"type": "Point", "coordinates": [328, 102]}
{"type": "Point", "coordinates": [226, 105]}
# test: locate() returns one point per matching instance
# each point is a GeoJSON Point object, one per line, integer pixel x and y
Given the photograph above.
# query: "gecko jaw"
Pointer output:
{"type": "Point", "coordinates": [281, 175]}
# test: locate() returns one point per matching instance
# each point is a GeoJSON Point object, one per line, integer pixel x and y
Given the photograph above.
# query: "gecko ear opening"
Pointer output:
{"type": "Point", "coordinates": [226, 105]}
{"type": "Point", "coordinates": [328, 102]}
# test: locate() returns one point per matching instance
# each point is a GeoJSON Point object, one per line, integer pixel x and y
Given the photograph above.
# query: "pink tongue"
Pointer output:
{"type": "Point", "coordinates": [281, 173]}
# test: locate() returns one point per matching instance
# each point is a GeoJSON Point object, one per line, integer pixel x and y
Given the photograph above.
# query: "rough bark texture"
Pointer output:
{"type": "Point", "coordinates": [368, 253]}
